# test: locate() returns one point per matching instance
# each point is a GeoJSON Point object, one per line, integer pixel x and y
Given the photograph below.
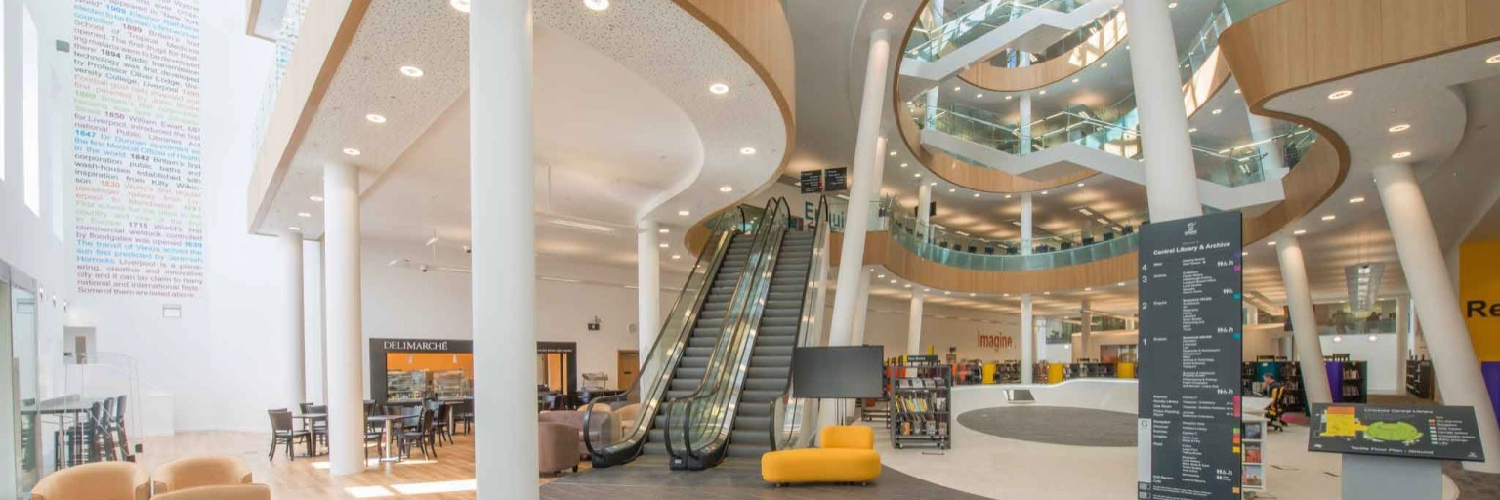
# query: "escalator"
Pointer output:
{"type": "Point", "coordinates": [680, 355]}
{"type": "Point", "coordinates": [739, 410]}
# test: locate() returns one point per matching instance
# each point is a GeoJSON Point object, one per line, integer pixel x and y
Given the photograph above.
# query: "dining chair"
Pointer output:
{"type": "Point", "coordinates": [282, 432]}
{"type": "Point", "coordinates": [422, 436]}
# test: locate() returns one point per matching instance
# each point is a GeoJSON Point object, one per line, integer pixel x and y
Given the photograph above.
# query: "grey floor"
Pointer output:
{"type": "Point", "coordinates": [1054, 425]}
{"type": "Point", "coordinates": [649, 479]}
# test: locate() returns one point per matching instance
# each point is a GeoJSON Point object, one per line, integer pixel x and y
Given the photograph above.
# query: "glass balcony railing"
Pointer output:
{"type": "Point", "coordinates": [286, 43]}
{"type": "Point", "coordinates": [954, 33]}
{"type": "Point", "coordinates": [954, 248]}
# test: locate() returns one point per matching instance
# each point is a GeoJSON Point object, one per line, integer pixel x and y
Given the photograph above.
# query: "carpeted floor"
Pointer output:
{"type": "Point", "coordinates": [648, 478]}
{"type": "Point", "coordinates": [1054, 425]}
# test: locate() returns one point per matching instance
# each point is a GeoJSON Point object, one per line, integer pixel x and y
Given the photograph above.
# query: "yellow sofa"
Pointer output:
{"type": "Point", "coordinates": [846, 454]}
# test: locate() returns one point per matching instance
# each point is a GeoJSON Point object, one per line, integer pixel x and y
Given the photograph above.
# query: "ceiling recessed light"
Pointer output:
{"type": "Point", "coordinates": [1330, 217]}
{"type": "Point", "coordinates": [952, 189]}
{"type": "Point", "coordinates": [747, 150]}
{"type": "Point", "coordinates": [973, 295]}
{"type": "Point", "coordinates": [719, 89]}
{"type": "Point", "coordinates": [676, 257]}
{"type": "Point", "coordinates": [893, 153]}
{"type": "Point", "coordinates": [1044, 191]}
{"type": "Point", "coordinates": [1088, 289]}
{"type": "Point", "coordinates": [908, 285]}
{"type": "Point", "coordinates": [1400, 155]}
{"type": "Point", "coordinates": [725, 189]}
{"type": "Point", "coordinates": [976, 195]}
{"type": "Point", "coordinates": [1495, 59]}
{"type": "Point", "coordinates": [683, 213]}
{"type": "Point", "coordinates": [374, 118]}
{"type": "Point", "coordinates": [304, 215]}
{"type": "Point", "coordinates": [1172, 5]}
{"type": "Point", "coordinates": [293, 228]}
{"type": "Point", "coordinates": [979, 96]}
{"type": "Point", "coordinates": [1300, 232]}
{"type": "Point", "coordinates": [1009, 97]}
{"type": "Point", "coordinates": [1217, 110]}
{"type": "Point", "coordinates": [903, 165]}
{"type": "Point", "coordinates": [351, 151]}
{"type": "Point", "coordinates": [663, 245]}
{"type": "Point", "coordinates": [1401, 127]}
{"type": "Point", "coordinates": [882, 276]}
{"type": "Point", "coordinates": [1075, 80]}
{"type": "Point", "coordinates": [893, 282]}
{"type": "Point", "coordinates": [925, 290]}
{"type": "Point", "coordinates": [412, 71]}
{"type": "Point", "coordinates": [934, 183]}
{"type": "Point", "coordinates": [1080, 184]}
{"type": "Point", "coordinates": [664, 230]}
{"type": "Point", "coordinates": [1122, 283]}
{"type": "Point", "coordinates": [1236, 91]}
{"type": "Point", "coordinates": [1046, 293]}
{"type": "Point", "coordinates": [459, 5]}
{"type": "Point", "coordinates": [1340, 95]}
{"type": "Point", "coordinates": [1007, 197]}
{"type": "Point", "coordinates": [1191, 130]}
{"type": "Point", "coordinates": [917, 175]}
{"type": "Point", "coordinates": [1104, 65]}
{"type": "Point", "coordinates": [596, 5]}
{"type": "Point", "coordinates": [1242, 254]}
{"type": "Point", "coordinates": [887, 16]}
{"type": "Point", "coordinates": [955, 89]}
{"type": "Point", "coordinates": [315, 198]}
{"type": "Point", "coordinates": [1042, 92]}
{"type": "Point", "coordinates": [1357, 199]}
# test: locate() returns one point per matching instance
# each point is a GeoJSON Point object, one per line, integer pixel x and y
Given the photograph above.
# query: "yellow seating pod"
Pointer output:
{"type": "Point", "coordinates": [845, 454]}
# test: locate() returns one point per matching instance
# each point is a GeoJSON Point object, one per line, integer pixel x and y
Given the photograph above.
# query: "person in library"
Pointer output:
{"type": "Point", "coordinates": [650, 249]}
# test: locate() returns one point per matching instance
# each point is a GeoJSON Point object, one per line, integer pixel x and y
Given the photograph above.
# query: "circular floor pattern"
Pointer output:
{"type": "Point", "coordinates": [1054, 425]}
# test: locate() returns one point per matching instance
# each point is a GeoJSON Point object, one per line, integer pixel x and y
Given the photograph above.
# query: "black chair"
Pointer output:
{"type": "Point", "coordinates": [421, 435]}
{"type": "Point", "coordinates": [464, 414]}
{"type": "Point", "coordinates": [282, 432]}
{"type": "Point", "coordinates": [83, 438]}
{"type": "Point", "coordinates": [122, 440]}
{"type": "Point", "coordinates": [318, 428]}
{"type": "Point", "coordinates": [440, 422]}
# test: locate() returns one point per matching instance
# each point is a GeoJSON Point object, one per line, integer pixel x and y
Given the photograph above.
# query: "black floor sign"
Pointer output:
{"type": "Point", "coordinates": [1190, 343]}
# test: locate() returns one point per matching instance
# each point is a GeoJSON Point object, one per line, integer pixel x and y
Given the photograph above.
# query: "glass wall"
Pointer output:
{"type": "Point", "coordinates": [19, 424]}
{"type": "Point", "coordinates": [1340, 319]}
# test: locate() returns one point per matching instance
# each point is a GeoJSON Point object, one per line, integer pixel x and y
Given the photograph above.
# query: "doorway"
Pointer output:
{"type": "Point", "coordinates": [629, 367]}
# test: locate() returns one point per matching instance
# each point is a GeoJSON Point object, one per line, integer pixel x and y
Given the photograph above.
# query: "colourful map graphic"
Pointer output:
{"type": "Point", "coordinates": [1340, 422]}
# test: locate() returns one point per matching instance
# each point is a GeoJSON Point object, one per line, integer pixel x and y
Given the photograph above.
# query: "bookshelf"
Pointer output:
{"type": "Point", "coordinates": [1419, 377]}
{"type": "Point", "coordinates": [1252, 455]}
{"type": "Point", "coordinates": [1347, 379]}
{"type": "Point", "coordinates": [920, 391]}
{"type": "Point", "coordinates": [1294, 397]}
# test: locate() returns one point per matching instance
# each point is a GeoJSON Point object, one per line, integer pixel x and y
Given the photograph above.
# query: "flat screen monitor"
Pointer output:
{"type": "Point", "coordinates": [837, 372]}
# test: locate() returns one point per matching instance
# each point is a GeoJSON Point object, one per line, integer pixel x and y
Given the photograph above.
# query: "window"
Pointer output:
{"type": "Point", "coordinates": [31, 174]}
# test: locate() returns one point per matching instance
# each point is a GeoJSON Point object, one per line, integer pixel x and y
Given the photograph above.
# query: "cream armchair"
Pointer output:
{"type": "Point", "coordinates": [192, 472]}
{"type": "Point", "coordinates": [223, 492]}
{"type": "Point", "coordinates": [96, 481]}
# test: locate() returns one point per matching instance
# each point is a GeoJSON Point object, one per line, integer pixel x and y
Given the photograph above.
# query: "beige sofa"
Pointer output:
{"type": "Point", "coordinates": [97, 481]}
{"type": "Point", "coordinates": [221, 492]}
{"type": "Point", "coordinates": [192, 472]}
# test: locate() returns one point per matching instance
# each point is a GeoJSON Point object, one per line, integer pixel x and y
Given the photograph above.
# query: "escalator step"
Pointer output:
{"type": "Point", "coordinates": [782, 361]}
{"type": "Point", "coordinates": [765, 384]}
{"type": "Point", "coordinates": [705, 341]}
{"type": "Point", "coordinates": [743, 423]}
{"type": "Point", "coordinates": [751, 437]}
{"type": "Point", "coordinates": [753, 411]}
{"type": "Point", "coordinates": [776, 331]}
{"type": "Point", "coordinates": [781, 340]}
{"type": "Point", "coordinates": [762, 350]}
{"type": "Point", "coordinates": [759, 372]}
{"type": "Point", "coordinates": [698, 352]}
{"type": "Point", "coordinates": [753, 396]}
{"type": "Point", "coordinates": [780, 321]}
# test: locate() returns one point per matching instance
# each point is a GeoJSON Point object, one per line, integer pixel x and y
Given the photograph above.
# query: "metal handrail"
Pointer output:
{"type": "Point", "coordinates": [820, 230]}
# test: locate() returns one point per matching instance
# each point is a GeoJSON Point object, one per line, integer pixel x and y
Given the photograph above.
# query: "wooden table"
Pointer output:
{"type": "Point", "coordinates": [389, 421]}
{"type": "Point", "coordinates": [312, 439]}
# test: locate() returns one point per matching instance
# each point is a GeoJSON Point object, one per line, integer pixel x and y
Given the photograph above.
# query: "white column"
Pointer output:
{"type": "Point", "coordinates": [1024, 130]}
{"type": "Point", "coordinates": [914, 322]}
{"type": "Point", "coordinates": [1026, 224]}
{"type": "Point", "coordinates": [323, 318]}
{"type": "Point", "coordinates": [1085, 333]}
{"type": "Point", "coordinates": [1028, 351]}
{"type": "Point", "coordinates": [1304, 324]}
{"type": "Point", "coordinates": [648, 286]}
{"type": "Point", "coordinates": [862, 307]}
{"type": "Point", "coordinates": [1263, 131]}
{"type": "Point", "coordinates": [504, 231]}
{"type": "Point", "coordinates": [346, 419]}
{"type": "Point", "coordinates": [1171, 181]}
{"type": "Point", "coordinates": [924, 211]}
{"type": "Point", "coordinates": [1252, 314]}
{"type": "Point", "coordinates": [1453, 358]}
{"type": "Point", "coordinates": [291, 295]}
{"type": "Point", "coordinates": [869, 147]}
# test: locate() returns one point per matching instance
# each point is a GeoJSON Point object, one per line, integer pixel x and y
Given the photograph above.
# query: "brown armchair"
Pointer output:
{"type": "Point", "coordinates": [193, 472]}
{"type": "Point", "coordinates": [601, 427]}
{"type": "Point", "coordinates": [96, 481]}
{"type": "Point", "coordinates": [557, 448]}
{"type": "Point", "coordinates": [221, 492]}
{"type": "Point", "coordinates": [627, 415]}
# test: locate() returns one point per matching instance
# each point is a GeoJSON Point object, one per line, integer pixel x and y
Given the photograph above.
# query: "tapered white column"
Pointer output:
{"type": "Point", "coordinates": [648, 286]}
{"type": "Point", "coordinates": [1028, 351]}
{"type": "Point", "coordinates": [924, 211]}
{"type": "Point", "coordinates": [1304, 323]}
{"type": "Point", "coordinates": [292, 306]}
{"type": "Point", "coordinates": [1085, 334]}
{"type": "Point", "coordinates": [504, 279]}
{"type": "Point", "coordinates": [346, 419]}
{"type": "Point", "coordinates": [914, 322]}
{"type": "Point", "coordinates": [1171, 181]}
{"type": "Point", "coordinates": [869, 147]}
{"type": "Point", "coordinates": [1025, 126]}
{"type": "Point", "coordinates": [1026, 224]}
{"type": "Point", "coordinates": [1453, 360]}
{"type": "Point", "coordinates": [862, 307]}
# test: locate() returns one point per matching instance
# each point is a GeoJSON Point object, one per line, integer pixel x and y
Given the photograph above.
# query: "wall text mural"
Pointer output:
{"type": "Point", "coordinates": [136, 147]}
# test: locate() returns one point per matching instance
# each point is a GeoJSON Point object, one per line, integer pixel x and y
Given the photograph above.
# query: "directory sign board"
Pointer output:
{"type": "Point", "coordinates": [811, 181]}
{"type": "Point", "coordinates": [836, 179]}
{"type": "Point", "coordinates": [1189, 364]}
{"type": "Point", "coordinates": [1439, 432]}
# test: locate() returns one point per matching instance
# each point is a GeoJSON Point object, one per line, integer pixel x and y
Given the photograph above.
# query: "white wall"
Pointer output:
{"type": "Point", "coordinates": [942, 328]}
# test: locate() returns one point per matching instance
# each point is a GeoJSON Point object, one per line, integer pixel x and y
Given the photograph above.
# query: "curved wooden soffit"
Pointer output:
{"type": "Point", "coordinates": [1302, 43]}
{"type": "Point", "coordinates": [758, 31]}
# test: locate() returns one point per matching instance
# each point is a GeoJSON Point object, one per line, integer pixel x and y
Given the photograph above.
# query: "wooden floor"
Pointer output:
{"type": "Point", "coordinates": [449, 476]}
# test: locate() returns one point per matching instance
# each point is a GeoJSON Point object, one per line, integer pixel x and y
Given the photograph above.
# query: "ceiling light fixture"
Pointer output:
{"type": "Point", "coordinates": [596, 5]}
{"type": "Point", "coordinates": [882, 276]}
{"type": "Point", "coordinates": [747, 150]}
{"type": "Point", "coordinates": [663, 245]}
{"type": "Point", "coordinates": [1191, 130]}
{"type": "Point", "coordinates": [1244, 254]}
{"type": "Point", "coordinates": [1495, 59]}
{"type": "Point", "coordinates": [316, 198]}
{"type": "Point", "coordinates": [893, 153]}
{"type": "Point", "coordinates": [374, 118]}
{"type": "Point", "coordinates": [917, 175]}
{"type": "Point", "coordinates": [1357, 199]}
{"type": "Point", "coordinates": [1401, 127]}
{"type": "Point", "coordinates": [1236, 91]}
{"type": "Point", "coordinates": [1080, 184]}
{"type": "Point", "coordinates": [583, 226]}
{"type": "Point", "coordinates": [725, 189]}
{"type": "Point", "coordinates": [1217, 110]}
{"type": "Point", "coordinates": [1007, 197]}
{"type": "Point", "coordinates": [887, 16]}
{"type": "Point", "coordinates": [1270, 243]}
{"type": "Point", "coordinates": [1075, 80]}
{"type": "Point", "coordinates": [1104, 65]}
{"type": "Point", "coordinates": [956, 89]}
{"type": "Point", "coordinates": [1300, 232]}
{"type": "Point", "coordinates": [1042, 92]}
{"type": "Point", "coordinates": [1340, 95]}
{"type": "Point", "coordinates": [903, 165]}
{"type": "Point", "coordinates": [304, 215]}
{"type": "Point", "coordinates": [719, 88]}
{"type": "Point", "coordinates": [459, 5]}
{"type": "Point", "coordinates": [894, 281]}
{"type": "Point", "coordinates": [1400, 155]}
{"type": "Point", "coordinates": [293, 228]}
{"type": "Point", "coordinates": [976, 195]}
{"type": "Point", "coordinates": [664, 230]}
{"type": "Point", "coordinates": [676, 257]}
{"type": "Point", "coordinates": [1009, 97]}
{"type": "Point", "coordinates": [351, 151]}
{"type": "Point", "coordinates": [1329, 217]}
{"type": "Point", "coordinates": [979, 96]}
{"type": "Point", "coordinates": [412, 71]}
{"type": "Point", "coordinates": [1172, 5]}
{"type": "Point", "coordinates": [683, 213]}
{"type": "Point", "coordinates": [952, 189]}
{"type": "Point", "coordinates": [1044, 192]}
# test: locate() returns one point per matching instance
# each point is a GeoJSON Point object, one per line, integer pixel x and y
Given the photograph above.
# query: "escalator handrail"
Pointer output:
{"type": "Point", "coordinates": [720, 243]}
{"type": "Point", "coordinates": [820, 228]}
{"type": "Point", "coordinates": [736, 309]}
{"type": "Point", "coordinates": [769, 244]}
